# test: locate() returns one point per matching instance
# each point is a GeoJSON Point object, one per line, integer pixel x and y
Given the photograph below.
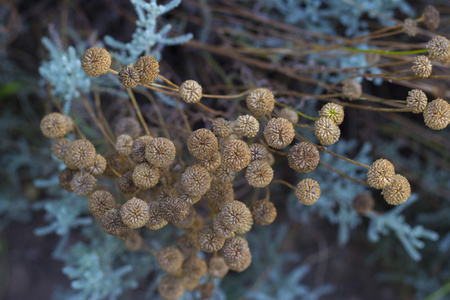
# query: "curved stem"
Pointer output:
{"type": "Point", "coordinates": [298, 112]}
{"type": "Point", "coordinates": [138, 111]}
{"type": "Point", "coordinates": [284, 182]}
{"type": "Point", "coordinates": [342, 174]}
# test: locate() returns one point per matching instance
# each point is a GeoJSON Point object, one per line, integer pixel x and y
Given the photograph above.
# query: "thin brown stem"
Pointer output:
{"type": "Point", "coordinates": [342, 174]}
{"type": "Point", "coordinates": [284, 182]}
{"type": "Point", "coordinates": [169, 82]}
{"type": "Point", "coordinates": [138, 111]}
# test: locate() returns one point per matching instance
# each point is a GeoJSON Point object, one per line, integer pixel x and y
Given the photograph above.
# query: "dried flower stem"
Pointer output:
{"type": "Point", "coordinates": [157, 110]}
{"type": "Point", "coordinates": [298, 112]}
{"type": "Point", "coordinates": [138, 111]}
{"type": "Point", "coordinates": [169, 82]}
{"type": "Point", "coordinates": [342, 174]}
{"type": "Point", "coordinates": [96, 120]}
{"type": "Point", "coordinates": [284, 182]}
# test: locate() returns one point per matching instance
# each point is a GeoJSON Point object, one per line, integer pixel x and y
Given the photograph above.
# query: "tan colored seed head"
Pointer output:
{"type": "Point", "coordinates": [236, 254]}
{"type": "Point", "coordinates": [191, 91]}
{"type": "Point", "coordinates": [235, 214]}
{"type": "Point", "coordinates": [173, 209]}
{"type": "Point", "coordinates": [171, 287]}
{"type": "Point", "coordinates": [260, 102]}
{"type": "Point", "coordinates": [194, 266]}
{"type": "Point", "coordinates": [111, 222]}
{"type": "Point", "coordinates": [263, 212]}
{"type": "Point", "coordinates": [219, 193]}
{"type": "Point", "coordinates": [187, 243]}
{"type": "Point", "coordinates": [126, 184]}
{"type": "Point", "coordinates": [220, 227]}
{"type": "Point", "coordinates": [208, 241]}
{"type": "Point", "coordinates": [145, 176]}
{"type": "Point", "coordinates": [351, 89]}
{"type": "Point", "coordinates": [258, 152]}
{"type": "Point", "coordinates": [431, 17]}
{"type": "Point", "coordinates": [439, 49]}
{"type": "Point", "coordinates": [236, 155]}
{"type": "Point", "coordinates": [170, 259]}
{"type": "Point", "coordinates": [221, 127]}
{"type": "Point", "coordinates": [380, 173]}
{"type": "Point", "coordinates": [54, 125]}
{"type": "Point", "coordinates": [115, 165]}
{"type": "Point", "coordinates": [246, 125]}
{"type": "Point", "coordinates": [326, 131]}
{"type": "Point", "coordinates": [96, 61]}
{"type": "Point", "coordinates": [65, 177]}
{"type": "Point", "coordinates": [332, 111]}
{"type": "Point", "coordinates": [224, 174]}
{"type": "Point", "coordinates": [437, 114]}
{"type": "Point", "coordinates": [156, 220]}
{"type": "Point", "coordinates": [416, 101]}
{"type": "Point", "coordinates": [259, 174]}
{"type": "Point", "coordinates": [207, 289]}
{"type": "Point", "coordinates": [134, 241]}
{"type": "Point", "coordinates": [421, 66]}
{"type": "Point", "coordinates": [195, 181]}
{"type": "Point", "coordinates": [212, 162]}
{"type": "Point", "coordinates": [138, 148]}
{"type": "Point", "coordinates": [82, 183]}
{"type": "Point", "coordinates": [128, 126]}
{"type": "Point", "coordinates": [217, 268]}
{"type": "Point", "coordinates": [410, 27]}
{"type": "Point", "coordinates": [81, 154]}
{"type": "Point", "coordinates": [202, 143]}
{"type": "Point", "coordinates": [363, 203]}
{"type": "Point", "coordinates": [303, 157]}
{"type": "Point", "coordinates": [148, 69]}
{"type": "Point", "coordinates": [123, 144]}
{"type": "Point", "coordinates": [398, 191]}
{"type": "Point", "coordinates": [100, 202]}
{"type": "Point", "coordinates": [279, 133]}
{"type": "Point", "coordinates": [135, 213]}
{"type": "Point", "coordinates": [60, 147]}
{"type": "Point", "coordinates": [98, 167]}
{"type": "Point", "coordinates": [129, 77]}
{"type": "Point", "coordinates": [160, 152]}
{"type": "Point", "coordinates": [189, 221]}
{"type": "Point", "coordinates": [307, 191]}
{"type": "Point", "coordinates": [289, 115]}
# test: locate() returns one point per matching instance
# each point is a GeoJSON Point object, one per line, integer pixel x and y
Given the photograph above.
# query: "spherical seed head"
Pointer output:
{"type": "Point", "coordinates": [60, 147]}
{"type": "Point", "coordinates": [431, 17]}
{"type": "Point", "coordinates": [82, 183]}
{"type": "Point", "coordinates": [123, 144]}
{"type": "Point", "coordinates": [260, 102]}
{"type": "Point", "coordinates": [236, 155]}
{"type": "Point", "coordinates": [303, 157]}
{"type": "Point", "coordinates": [65, 177]}
{"type": "Point", "coordinates": [235, 214]}
{"type": "Point", "coordinates": [96, 61]}
{"type": "Point", "coordinates": [156, 220]}
{"type": "Point", "coordinates": [416, 101]}
{"type": "Point", "coordinates": [363, 203]}
{"type": "Point", "coordinates": [224, 174]}
{"type": "Point", "coordinates": [208, 240]}
{"type": "Point", "coordinates": [218, 194]}
{"type": "Point", "coordinates": [217, 268]}
{"type": "Point", "coordinates": [307, 191]}
{"type": "Point", "coordinates": [190, 91]}
{"type": "Point", "coordinates": [410, 27]}
{"type": "Point", "coordinates": [439, 49]}
{"type": "Point", "coordinates": [188, 222]}
{"type": "Point", "coordinates": [207, 289]}
{"type": "Point", "coordinates": [126, 184]}
{"type": "Point", "coordinates": [236, 254]}
{"type": "Point", "coordinates": [202, 143]}
{"type": "Point", "coordinates": [380, 173]}
{"type": "Point", "coordinates": [437, 114]}
{"type": "Point", "coordinates": [258, 152]}
{"type": "Point", "coordinates": [111, 222]}
{"type": "Point", "coordinates": [326, 131]}
{"type": "Point", "coordinates": [138, 148]}
{"type": "Point", "coordinates": [190, 283]}
{"type": "Point", "coordinates": [173, 209]}
{"type": "Point", "coordinates": [98, 166]}
{"type": "Point", "coordinates": [398, 191]}
{"type": "Point", "coordinates": [332, 111]}
{"type": "Point", "coordinates": [54, 125]}
{"type": "Point", "coordinates": [221, 127]}
{"type": "Point", "coordinates": [160, 152]}
{"type": "Point", "coordinates": [135, 213]}
{"type": "Point", "coordinates": [100, 202]}
{"type": "Point", "coordinates": [220, 228]}
{"type": "Point", "coordinates": [279, 133]}
{"type": "Point", "coordinates": [289, 115]}
{"type": "Point", "coordinates": [246, 227]}
{"type": "Point", "coordinates": [81, 154]}
{"type": "Point", "coordinates": [129, 77]}
{"type": "Point", "coordinates": [171, 287]}
{"type": "Point", "coordinates": [148, 69]}
{"type": "Point", "coordinates": [187, 243]}
{"type": "Point", "coordinates": [115, 165]}
{"type": "Point", "coordinates": [212, 162]}
{"type": "Point", "coordinates": [351, 89]}
{"type": "Point", "coordinates": [145, 176]}
{"type": "Point", "coordinates": [134, 241]}
{"type": "Point", "coordinates": [194, 266]}
{"type": "Point", "coordinates": [128, 126]}
{"type": "Point", "coordinates": [195, 181]}
{"type": "Point", "coordinates": [170, 259]}
{"type": "Point", "coordinates": [259, 174]}
{"type": "Point", "coordinates": [263, 212]}
{"type": "Point", "coordinates": [421, 66]}
{"type": "Point", "coordinates": [246, 125]}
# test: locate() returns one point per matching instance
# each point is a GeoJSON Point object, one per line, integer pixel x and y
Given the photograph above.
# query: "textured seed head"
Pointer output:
{"type": "Point", "coordinates": [351, 89]}
{"type": "Point", "coordinates": [156, 220]}
{"type": "Point", "coordinates": [148, 69]}
{"type": "Point", "coordinates": [218, 194]}
{"type": "Point", "coordinates": [134, 241]}
{"type": "Point", "coordinates": [195, 180]}
{"type": "Point", "coordinates": [129, 77]}
{"type": "Point", "coordinates": [236, 254]}
{"type": "Point", "coordinates": [416, 101]}
{"type": "Point", "coordinates": [65, 177]}
{"type": "Point", "coordinates": [220, 227]}
{"type": "Point", "coordinates": [398, 191]}
{"type": "Point", "coordinates": [421, 66]}
{"type": "Point", "coordinates": [100, 202]}
{"type": "Point", "coordinates": [163, 191]}
{"type": "Point", "coordinates": [81, 154]}
{"type": "Point", "coordinates": [246, 226]}
{"type": "Point", "coordinates": [235, 214]}
{"type": "Point", "coordinates": [123, 144]}
{"type": "Point", "coordinates": [173, 209]}
{"type": "Point", "coordinates": [82, 183]}
{"type": "Point", "coordinates": [54, 125]}
{"type": "Point", "coordinates": [190, 200]}
{"type": "Point", "coordinates": [439, 49]}
{"type": "Point", "coordinates": [236, 155]}
{"type": "Point", "coordinates": [221, 127]}
{"type": "Point", "coordinates": [115, 165]}
{"type": "Point", "coordinates": [437, 114]}
{"type": "Point", "coordinates": [128, 126]}
{"type": "Point", "coordinates": [332, 111]}
{"type": "Point", "coordinates": [279, 133]}
{"type": "Point", "coordinates": [259, 173]}
{"type": "Point", "coordinates": [326, 131]}
{"type": "Point", "coordinates": [126, 184]}
{"type": "Point", "coordinates": [303, 157]}
{"type": "Point", "coordinates": [307, 191]}
{"type": "Point", "coordinates": [98, 167]}
{"type": "Point", "coordinates": [431, 17]}
{"type": "Point", "coordinates": [190, 283]}
{"type": "Point", "coordinates": [111, 222]}
{"type": "Point", "coordinates": [138, 148]}
{"type": "Point", "coordinates": [263, 212]}
{"type": "Point", "coordinates": [171, 287]}
{"type": "Point", "coordinates": [246, 125]}
{"type": "Point", "coordinates": [190, 91]}
{"type": "Point", "coordinates": [363, 203]}
{"type": "Point", "coordinates": [145, 176]}
{"type": "Point", "coordinates": [95, 61]}
{"type": "Point", "coordinates": [207, 289]}
{"type": "Point", "coordinates": [212, 162]}
{"type": "Point", "coordinates": [410, 27]}
{"type": "Point", "coordinates": [217, 268]}
{"type": "Point", "coordinates": [187, 243]}
{"type": "Point", "coordinates": [170, 259]}
{"type": "Point", "coordinates": [195, 267]}
{"type": "Point", "coordinates": [224, 174]}
{"type": "Point", "coordinates": [380, 173]}
{"type": "Point", "coordinates": [160, 152]}
{"type": "Point", "coordinates": [60, 147]}
{"type": "Point", "coordinates": [260, 102]}
{"type": "Point", "coordinates": [208, 240]}
{"type": "Point", "coordinates": [289, 115]}
{"type": "Point", "coordinates": [202, 143]}
{"type": "Point", "coordinates": [135, 213]}
{"type": "Point", "coordinates": [258, 152]}
{"type": "Point", "coordinates": [188, 222]}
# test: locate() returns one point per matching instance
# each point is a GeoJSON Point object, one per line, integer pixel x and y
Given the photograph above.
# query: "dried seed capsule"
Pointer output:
{"type": "Point", "coordinates": [207, 289]}
{"type": "Point", "coordinates": [258, 152]}
{"type": "Point", "coordinates": [416, 101]}
{"type": "Point", "coordinates": [422, 66]}
{"type": "Point", "coordinates": [326, 131]}
{"type": "Point", "coordinates": [263, 212]}
{"type": "Point", "coordinates": [380, 173]}
{"type": "Point", "coordinates": [303, 157]}
{"type": "Point", "coordinates": [194, 266]}
{"type": "Point", "coordinates": [236, 155]}
{"type": "Point", "coordinates": [190, 200]}
{"type": "Point", "coordinates": [65, 177]}
{"type": "Point", "coordinates": [190, 91]}
{"type": "Point", "coordinates": [202, 143]}
{"type": "Point", "coordinates": [259, 174]}
{"type": "Point", "coordinates": [363, 203]}
{"type": "Point", "coordinates": [98, 166]}
{"type": "Point", "coordinates": [224, 174]}
{"type": "Point", "coordinates": [81, 154]}
{"type": "Point", "coordinates": [246, 125]}
{"type": "Point", "coordinates": [112, 222]}
{"type": "Point", "coordinates": [235, 214]}
{"type": "Point", "coordinates": [190, 283]}
{"type": "Point", "coordinates": [145, 176]}
{"type": "Point", "coordinates": [437, 114]}
{"type": "Point", "coordinates": [260, 102]}
{"type": "Point", "coordinates": [54, 126]}
{"type": "Point", "coordinates": [236, 254]}
{"type": "Point", "coordinates": [173, 209]}
{"type": "Point", "coordinates": [96, 61]}
{"type": "Point", "coordinates": [187, 243]}
{"type": "Point", "coordinates": [217, 268]}
{"type": "Point", "coordinates": [128, 126]}
{"type": "Point", "coordinates": [100, 202]}
{"type": "Point", "coordinates": [189, 221]}
{"type": "Point", "coordinates": [195, 181]}
{"type": "Point", "coordinates": [156, 220]}
{"type": "Point", "coordinates": [220, 228]}
{"type": "Point", "coordinates": [212, 162]}
{"type": "Point", "coordinates": [219, 193]}
{"type": "Point", "coordinates": [126, 184]}
{"type": "Point", "coordinates": [134, 241]}
{"type": "Point", "coordinates": [439, 49]}
{"type": "Point", "coordinates": [410, 27]}
{"type": "Point", "coordinates": [129, 77]}
{"type": "Point", "coordinates": [246, 226]}
{"type": "Point", "coordinates": [332, 111]}
{"type": "Point", "coordinates": [221, 127]}
{"type": "Point", "coordinates": [289, 115]}
{"type": "Point", "coordinates": [160, 152]}
{"type": "Point", "coordinates": [307, 191]}
{"type": "Point", "coordinates": [148, 69]}
{"type": "Point", "coordinates": [135, 213]}
{"type": "Point", "coordinates": [208, 240]}
{"type": "Point", "coordinates": [123, 144]}
{"type": "Point", "coordinates": [163, 191]}
{"type": "Point", "coordinates": [60, 147]}
{"type": "Point", "coordinates": [138, 148]}
{"type": "Point", "coordinates": [398, 191]}
{"type": "Point", "coordinates": [431, 17]}
{"type": "Point", "coordinates": [351, 89]}
{"type": "Point", "coordinates": [170, 259]}
{"type": "Point", "coordinates": [82, 183]}
{"type": "Point", "coordinates": [171, 287]}
{"type": "Point", "coordinates": [279, 133]}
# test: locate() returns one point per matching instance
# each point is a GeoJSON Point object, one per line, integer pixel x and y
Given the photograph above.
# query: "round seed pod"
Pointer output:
{"type": "Point", "coordinates": [208, 241]}
{"type": "Point", "coordinates": [190, 91]}
{"type": "Point", "coordinates": [398, 191]}
{"type": "Point", "coordinates": [190, 283]}
{"type": "Point", "coordinates": [82, 183]}
{"type": "Point", "coordinates": [65, 177]}
{"type": "Point", "coordinates": [236, 155]}
{"type": "Point", "coordinates": [134, 241]}
{"type": "Point", "coordinates": [207, 289]}
{"type": "Point", "coordinates": [259, 174]}
{"type": "Point", "coordinates": [189, 221]}
{"type": "Point", "coordinates": [307, 191]}
{"type": "Point", "coordinates": [195, 181]}
{"type": "Point", "coordinates": [236, 254]}
{"type": "Point", "coordinates": [351, 89]}
{"type": "Point", "coordinates": [194, 266]}
{"type": "Point", "coordinates": [212, 162]}
{"type": "Point", "coordinates": [148, 69]}
{"type": "Point", "coordinates": [431, 17]}
{"type": "Point", "coordinates": [421, 66]}
{"type": "Point", "coordinates": [173, 209]}
{"type": "Point", "coordinates": [100, 202]}
{"type": "Point", "coordinates": [380, 173]}
{"type": "Point", "coordinates": [246, 125]}
{"type": "Point", "coordinates": [54, 125]}
{"type": "Point", "coordinates": [145, 176]}
{"type": "Point", "coordinates": [171, 287]}
{"type": "Point", "coordinates": [220, 228]}
{"type": "Point", "coordinates": [160, 152]}
{"type": "Point", "coordinates": [303, 157]}
{"type": "Point", "coordinates": [123, 144]}
{"type": "Point", "coordinates": [96, 61]}
{"type": "Point", "coordinates": [138, 148]}
{"type": "Point", "coordinates": [156, 220]}
{"type": "Point", "coordinates": [333, 111]}
{"type": "Point", "coordinates": [363, 203]}
{"type": "Point", "coordinates": [163, 191]}
{"type": "Point", "coordinates": [279, 133]}
{"type": "Point", "coordinates": [98, 167]}
{"type": "Point", "coordinates": [217, 268]}
{"type": "Point", "coordinates": [170, 259]}
{"type": "Point", "coordinates": [129, 77]}
{"type": "Point", "coordinates": [289, 115]}
{"type": "Point", "coordinates": [416, 101]}
{"type": "Point", "coordinates": [81, 154]}
{"type": "Point", "coordinates": [115, 165]}
{"type": "Point", "coordinates": [263, 212]}
{"type": "Point", "coordinates": [258, 152]}
{"type": "Point", "coordinates": [410, 27]}
{"type": "Point", "coordinates": [202, 143]}
{"type": "Point", "coordinates": [187, 243]}
{"type": "Point", "coordinates": [135, 213]}
{"type": "Point", "coordinates": [190, 200]}
{"type": "Point", "coordinates": [126, 184]}
{"type": "Point", "coordinates": [260, 102]}
{"type": "Point", "coordinates": [437, 114]}
{"type": "Point", "coordinates": [221, 127]}
{"type": "Point", "coordinates": [60, 147]}
{"type": "Point", "coordinates": [111, 222]}
{"type": "Point", "coordinates": [326, 131]}
{"type": "Point", "coordinates": [235, 214]}
{"type": "Point", "coordinates": [246, 226]}
{"type": "Point", "coordinates": [224, 174]}
{"type": "Point", "coordinates": [128, 126]}
{"type": "Point", "coordinates": [439, 49]}
{"type": "Point", "coordinates": [219, 193]}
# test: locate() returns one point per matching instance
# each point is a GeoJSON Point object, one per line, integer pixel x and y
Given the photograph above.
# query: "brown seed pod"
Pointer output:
{"type": "Point", "coordinates": [145, 176]}
{"type": "Point", "coordinates": [135, 213]}
{"type": "Point", "coordinates": [236, 155]}
{"type": "Point", "coordinates": [82, 183]}
{"type": "Point", "coordinates": [416, 101]}
{"type": "Point", "coordinates": [134, 241]}
{"type": "Point", "coordinates": [60, 147]}
{"type": "Point", "coordinates": [202, 143]}
{"type": "Point", "coordinates": [173, 209]}
{"type": "Point", "coordinates": [224, 174]}
{"type": "Point", "coordinates": [398, 191]}
{"type": "Point", "coordinates": [263, 212]}
{"type": "Point", "coordinates": [160, 152]}
{"type": "Point", "coordinates": [260, 102]}
{"type": "Point", "coordinates": [129, 77]}
{"type": "Point", "coordinates": [363, 203]}
{"type": "Point", "coordinates": [190, 91]}
{"type": "Point", "coordinates": [189, 221]}
{"type": "Point", "coordinates": [333, 111]}
{"type": "Point", "coordinates": [138, 148]}
{"type": "Point", "coordinates": [54, 125]}
{"type": "Point", "coordinates": [128, 126]}
{"type": "Point", "coordinates": [236, 254]}
{"type": "Point", "coordinates": [148, 69]}
{"type": "Point", "coordinates": [156, 220]}
{"type": "Point", "coordinates": [307, 191]}
{"type": "Point", "coordinates": [207, 289]}
{"type": "Point", "coordinates": [65, 177]}
{"type": "Point", "coordinates": [98, 167]}
{"type": "Point", "coordinates": [208, 241]}
{"type": "Point", "coordinates": [221, 127]}
{"type": "Point", "coordinates": [190, 283]}
{"type": "Point", "coordinates": [116, 165]}
{"type": "Point", "coordinates": [219, 193]}
{"type": "Point", "coordinates": [439, 49]}
{"type": "Point", "coordinates": [194, 266]}
{"type": "Point", "coordinates": [217, 268]}
{"type": "Point", "coordinates": [437, 114]}
{"type": "Point", "coordinates": [380, 173]}
{"type": "Point", "coordinates": [111, 222]}
{"type": "Point", "coordinates": [81, 154]}
{"type": "Point", "coordinates": [170, 259]}
{"type": "Point", "coordinates": [195, 181]}
{"type": "Point", "coordinates": [126, 184]}
{"type": "Point", "coordinates": [123, 144]}
{"type": "Point", "coordinates": [220, 228]}
{"type": "Point", "coordinates": [235, 214]}
{"type": "Point", "coordinates": [421, 66]}
{"type": "Point", "coordinates": [100, 202]}
{"type": "Point", "coordinates": [259, 174]}
{"type": "Point", "coordinates": [246, 125]}
{"type": "Point", "coordinates": [279, 133]}
{"type": "Point", "coordinates": [163, 191]}
{"type": "Point", "coordinates": [326, 131]}
{"type": "Point", "coordinates": [410, 27]}
{"type": "Point", "coordinates": [212, 162]}
{"type": "Point", "coordinates": [431, 17]}
{"type": "Point", "coordinates": [289, 115]}
{"type": "Point", "coordinates": [187, 243]}
{"type": "Point", "coordinates": [258, 152]}
{"type": "Point", "coordinates": [171, 287]}
{"type": "Point", "coordinates": [191, 200]}
{"type": "Point", "coordinates": [96, 61]}
{"type": "Point", "coordinates": [351, 89]}
{"type": "Point", "coordinates": [246, 226]}
{"type": "Point", "coordinates": [303, 157]}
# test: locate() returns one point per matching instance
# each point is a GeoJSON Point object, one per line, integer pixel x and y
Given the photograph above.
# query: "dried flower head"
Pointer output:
{"type": "Point", "coordinates": [380, 173]}
{"type": "Point", "coordinates": [115, 165]}
{"type": "Point", "coordinates": [190, 283]}
{"type": "Point", "coordinates": [98, 166]}
{"type": "Point", "coordinates": [187, 243]}
{"type": "Point", "coordinates": [96, 61]}
{"type": "Point", "coordinates": [439, 49]}
{"type": "Point", "coordinates": [236, 254]}
{"type": "Point", "coordinates": [148, 69]}
{"type": "Point", "coordinates": [221, 127]}
{"type": "Point", "coordinates": [212, 162]}
{"type": "Point", "coordinates": [123, 144]}
{"type": "Point", "coordinates": [126, 184]}
{"type": "Point", "coordinates": [60, 147]}
{"type": "Point", "coordinates": [195, 180]}
{"type": "Point", "coordinates": [194, 266]}
{"type": "Point", "coordinates": [421, 66]}
{"type": "Point", "coordinates": [65, 177]}
{"type": "Point", "coordinates": [416, 101]}
{"type": "Point", "coordinates": [235, 214]}
{"type": "Point", "coordinates": [135, 213]}
{"type": "Point", "coordinates": [289, 115]}
{"type": "Point", "coordinates": [351, 89]}
{"type": "Point", "coordinates": [190, 91]}
{"type": "Point", "coordinates": [236, 155]}
{"type": "Point", "coordinates": [263, 212]}
{"type": "Point", "coordinates": [219, 193]}
{"type": "Point", "coordinates": [173, 209]}
{"type": "Point", "coordinates": [259, 173]}
{"type": "Point", "coordinates": [111, 222]}
{"type": "Point", "coordinates": [202, 143]}
{"type": "Point", "coordinates": [332, 111]}
{"type": "Point", "coordinates": [207, 289]}
{"type": "Point", "coordinates": [410, 27]}
{"type": "Point", "coordinates": [258, 152]}
{"type": "Point", "coordinates": [208, 240]}
{"type": "Point", "coordinates": [363, 203]}
{"type": "Point", "coordinates": [145, 176]}
{"type": "Point", "coordinates": [129, 77]}
{"type": "Point", "coordinates": [224, 174]}
{"type": "Point", "coordinates": [307, 191]}
{"type": "Point", "coordinates": [246, 125]}
{"type": "Point", "coordinates": [128, 126]}
{"type": "Point", "coordinates": [260, 102]}
{"type": "Point", "coordinates": [160, 152]}
{"type": "Point", "coordinates": [188, 222]}
{"type": "Point", "coordinates": [81, 154]}
{"type": "Point", "coordinates": [82, 183]}
{"type": "Point", "coordinates": [220, 227]}
{"type": "Point", "coordinates": [326, 131]}
{"type": "Point", "coordinates": [303, 157]}
{"type": "Point", "coordinates": [170, 259]}
{"type": "Point", "coordinates": [138, 148]}
{"type": "Point", "coordinates": [156, 220]}
{"type": "Point", "coordinates": [171, 287]}
{"type": "Point", "coordinates": [134, 241]}
{"type": "Point", "coordinates": [279, 133]}
{"type": "Point", "coordinates": [398, 191]}
{"type": "Point", "coordinates": [431, 17]}
{"type": "Point", "coordinates": [217, 268]}
{"type": "Point", "coordinates": [100, 202]}
{"type": "Point", "coordinates": [54, 125]}
{"type": "Point", "coordinates": [437, 114]}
